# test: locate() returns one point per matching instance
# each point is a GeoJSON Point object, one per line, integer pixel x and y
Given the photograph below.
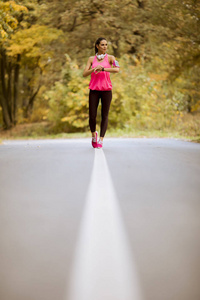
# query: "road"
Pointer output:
{"type": "Point", "coordinates": [120, 223]}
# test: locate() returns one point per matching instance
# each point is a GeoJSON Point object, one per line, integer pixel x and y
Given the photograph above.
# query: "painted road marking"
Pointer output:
{"type": "Point", "coordinates": [103, 266]}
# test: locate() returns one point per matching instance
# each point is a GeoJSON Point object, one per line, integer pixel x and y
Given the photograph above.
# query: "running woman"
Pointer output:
{"type": "Point", "coordinates": [99, 67]}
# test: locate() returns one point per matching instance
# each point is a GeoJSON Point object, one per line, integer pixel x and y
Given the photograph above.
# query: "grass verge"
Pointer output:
{"type": "Point", "coordinates": [39, 131]}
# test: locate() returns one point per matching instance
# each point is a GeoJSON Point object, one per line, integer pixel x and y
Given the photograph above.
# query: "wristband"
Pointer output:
{"type": "Point", "coordinates": [103, 69]}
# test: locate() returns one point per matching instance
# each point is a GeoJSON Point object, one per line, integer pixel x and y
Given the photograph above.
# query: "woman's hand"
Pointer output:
{"type": "Point", "coordinates": [98, 69]}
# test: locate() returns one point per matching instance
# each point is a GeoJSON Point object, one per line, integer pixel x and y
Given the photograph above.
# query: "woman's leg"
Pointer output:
{"type": "Point", "coordinates": [106, 97]}
{"type": "Point", "coordinates": [93, 105]}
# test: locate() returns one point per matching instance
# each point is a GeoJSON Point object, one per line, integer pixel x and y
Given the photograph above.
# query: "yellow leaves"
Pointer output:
{"type": "Point", "coordinates": [24, 24]}
{"type": "Point", "coordinates": [8, 20]}
{"type": "Point", "coordinates": [75, 121]}
{"type": "Point", "coordinates": [83, 102]}
{"type": "Point", "coordinates": [32, 41]}
{"type": "Point", "coordinates": [3, 33]}
{"type": "Point", "coordinates": [70, 102]}
{"type": "Point", "coordinates": [79, 124]}
{"type": "Point", "coordinates": [158, 77]}
{"type": "Point", "coordinates": [65, 119]}
{"type": "Point", "coordinates": [68, 59]}
{"type": "Point", "coordinates": [12, 6]}
{"type": "Point", "coordinates": [86, 89]}
{"type": "Point", "coordinates": [196, 106]}
{"type": "Point", "coordinates": [85, 81]}
{"type": "Point", "coordinates": [72, 110]}
{"type": "Point", "coordinates": [140, 98]}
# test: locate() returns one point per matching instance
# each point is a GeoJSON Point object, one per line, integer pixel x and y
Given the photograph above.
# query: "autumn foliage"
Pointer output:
{"type": "Point", "coordinates": [44, 46]}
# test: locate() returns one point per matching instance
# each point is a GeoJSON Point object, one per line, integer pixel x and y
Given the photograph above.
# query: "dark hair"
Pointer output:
{"type": "Point", "coordinates": [98, 42]}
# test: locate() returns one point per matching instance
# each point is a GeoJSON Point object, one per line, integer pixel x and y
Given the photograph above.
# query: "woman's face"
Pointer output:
{"type": "Point", "coordinates": [102, 47]}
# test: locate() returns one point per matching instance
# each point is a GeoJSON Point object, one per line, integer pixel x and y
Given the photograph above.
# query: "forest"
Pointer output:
{"type": "Point", "coordinates": [44, 47]}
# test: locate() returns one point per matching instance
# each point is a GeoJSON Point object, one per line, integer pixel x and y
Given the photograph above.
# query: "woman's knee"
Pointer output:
{"type": "Point", "coordinates": [92, 117]}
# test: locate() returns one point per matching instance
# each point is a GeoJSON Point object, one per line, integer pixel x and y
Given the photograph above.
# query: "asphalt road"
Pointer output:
{"type": "Point", "coordinates": [43, 193]}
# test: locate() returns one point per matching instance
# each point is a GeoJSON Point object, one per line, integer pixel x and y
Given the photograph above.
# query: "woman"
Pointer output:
{"type": "Point", "coordinates": [99, 67]}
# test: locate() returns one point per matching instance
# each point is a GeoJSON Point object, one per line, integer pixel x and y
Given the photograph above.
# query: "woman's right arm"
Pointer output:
{"type": "Point", "coordinates": [87, 70]}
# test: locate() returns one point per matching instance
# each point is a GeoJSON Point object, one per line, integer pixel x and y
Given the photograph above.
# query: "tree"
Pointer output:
{"type": "Point", "coordinates": [26, 46]}
{"type": "Point", "coordinates": [9, 68]}
{"type": "Point", "coordinates": [33, 45]}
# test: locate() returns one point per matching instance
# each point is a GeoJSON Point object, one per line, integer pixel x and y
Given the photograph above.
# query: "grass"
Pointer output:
{"type": "Point", "coordinates": [39, 131]}
{"type": "Point", "coordinates": [151, 134]}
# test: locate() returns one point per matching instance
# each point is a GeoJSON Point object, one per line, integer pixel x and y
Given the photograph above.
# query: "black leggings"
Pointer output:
{"type": "Point", "coordinates": [106, 97]}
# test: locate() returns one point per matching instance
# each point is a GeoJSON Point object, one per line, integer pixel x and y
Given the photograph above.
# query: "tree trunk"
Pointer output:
{"type": "Point", "coordinates": [189, 104]}
{"type": "Point", "coordinates": [15, 93]}
{"type": "Point", "coordinates": [24, 88]}
{"type": "Point", "coordinates": [4, 103]}
{"type": "Point", "coordinates": [29, 108]}
{"type": "Point", "coordinates": [141, 3]}
{"type": "Point", "coordinates": [9, 91]}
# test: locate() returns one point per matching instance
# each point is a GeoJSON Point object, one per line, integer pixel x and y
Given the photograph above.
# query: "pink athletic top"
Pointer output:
{"type": "Point", "coordinates": [100, 81]}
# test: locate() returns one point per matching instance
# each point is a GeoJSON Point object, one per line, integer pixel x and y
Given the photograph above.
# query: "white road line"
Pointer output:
{"type": "Point", "coordinates": [103, 266]}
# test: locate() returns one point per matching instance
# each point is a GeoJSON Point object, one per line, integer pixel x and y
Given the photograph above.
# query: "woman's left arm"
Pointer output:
{"type": "Point", "coordinates": [115, 68]}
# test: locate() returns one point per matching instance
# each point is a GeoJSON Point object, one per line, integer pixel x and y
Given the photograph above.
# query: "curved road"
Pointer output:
{"type": "Point", "coordinates": [122, 223]}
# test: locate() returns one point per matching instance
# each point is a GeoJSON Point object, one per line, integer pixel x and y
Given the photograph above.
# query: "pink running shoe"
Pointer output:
{"type": "Point", "coordinates": [94, 140]}
{"type": "Point", "coordinates": [100, 144]}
